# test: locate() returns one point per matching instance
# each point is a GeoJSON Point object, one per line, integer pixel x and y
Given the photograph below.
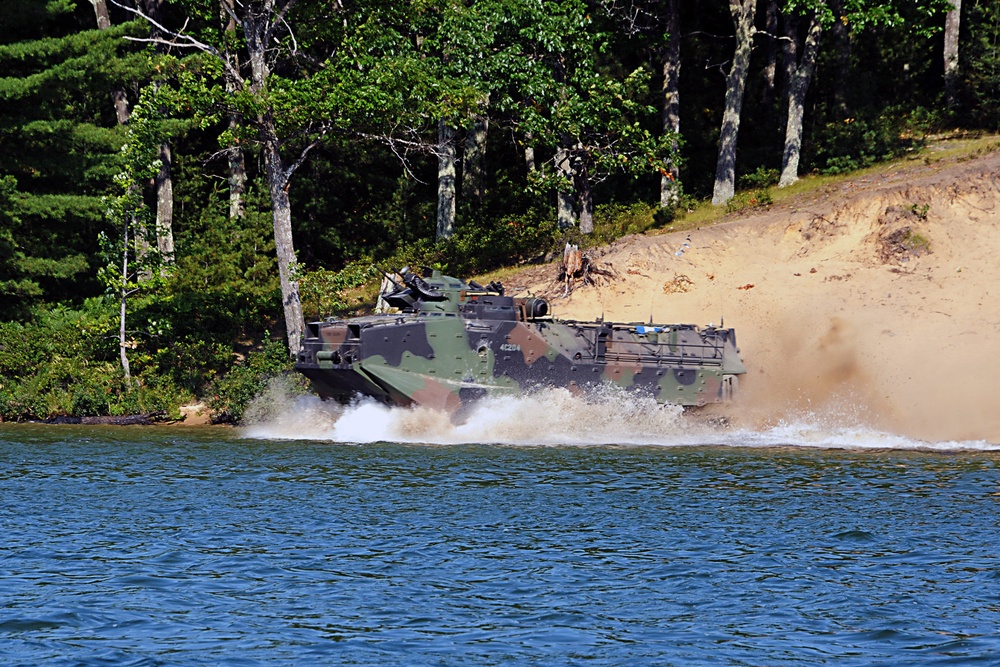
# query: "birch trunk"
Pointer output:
{"type": "Point", "coordinates": [671, 100]}
{"type": "Point", "coordinates": [725, 170]}
{"type": "Point", "coordinates": [564, 198]}
{"type": "Point", "coordinates": [797, 89]}
{"type": "Point", "coordinates": [446, 181]}
{"type": "Point", "coordinates": [952, 23]}
{"type": "Point", "coordinates": [123, 301]}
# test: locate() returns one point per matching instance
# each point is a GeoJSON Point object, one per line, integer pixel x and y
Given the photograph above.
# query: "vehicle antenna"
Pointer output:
{"type": "Point", "coordinates": [387, 275]}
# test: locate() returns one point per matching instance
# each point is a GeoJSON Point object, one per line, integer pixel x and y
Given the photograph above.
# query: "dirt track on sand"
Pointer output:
{"type": "Point", "coordinates": [874, 300]}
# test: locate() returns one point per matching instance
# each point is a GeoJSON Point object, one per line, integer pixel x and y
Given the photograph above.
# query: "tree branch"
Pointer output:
{"type": "Point", "coordinates": [305, 151]}
{"type": "Point", "coordinates": [179, 39]}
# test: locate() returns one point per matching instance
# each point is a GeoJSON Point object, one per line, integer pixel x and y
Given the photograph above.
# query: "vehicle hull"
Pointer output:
{"type": "Point", "coordinates": [450, 351]}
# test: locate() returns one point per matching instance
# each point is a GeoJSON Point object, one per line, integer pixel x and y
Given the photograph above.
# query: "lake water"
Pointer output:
{"type": "Point", "coordinates": [290, 545]}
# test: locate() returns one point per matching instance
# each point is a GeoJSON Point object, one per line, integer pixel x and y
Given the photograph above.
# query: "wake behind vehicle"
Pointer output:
{"type": "Point", "coordinates": [451, 343]}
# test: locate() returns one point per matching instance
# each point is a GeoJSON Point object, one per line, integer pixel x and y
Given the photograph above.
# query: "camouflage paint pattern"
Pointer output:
{"type": "Point", "coordinates": [454, 342]}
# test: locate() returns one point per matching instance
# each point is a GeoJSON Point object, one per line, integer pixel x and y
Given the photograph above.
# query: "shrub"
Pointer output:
{"type": "Point", "coordinates": [233, 391]}
{"type": "Point", "coordinates": [856, 143]}
{"type": "Point", "coordinates": [760, 178]}
{"type": "Point", "coordinates": [749, 199]}
{"type": "Point", "coordinates": [481, 245]}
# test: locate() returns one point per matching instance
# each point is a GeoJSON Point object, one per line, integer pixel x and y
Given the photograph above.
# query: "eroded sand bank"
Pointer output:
{"type": "Point", "coordinates": [875, 298]}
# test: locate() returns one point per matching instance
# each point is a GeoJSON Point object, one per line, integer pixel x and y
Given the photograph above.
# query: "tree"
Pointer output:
{"type": "Point", "coordinates": [952, 23]}
{"type": "Point", "coordinates": [671, 99]}
{"type": "Point", "coordinates": [118, 92]}
{"type": "Point", "coordinates": [134, 259]}
{"type": "Point", "coordinates": [304, 75]}
{"type": "Point", "coordinates": [446, 181]}
{"type": "Point", "coordinates": [742, 12]}
{"type": "Point", "coordinates": [237, 174]}
{"type": "Point", "coordinates": [659, 21]}
{"type": "Point", "coordinates": [556, 85]}
{"type": "Point", "coordinates": [799, 68]}
{"type": "Point", "coordinates": [59, 139]}
{"type": "Point", "coordinates": [800, 74]}
{"type": "Point", "coordinates": [257, 93]}
{"type": "Point", "coordinates": [474, 163]}
{"type": "Point", "coordinates": [980, 71]}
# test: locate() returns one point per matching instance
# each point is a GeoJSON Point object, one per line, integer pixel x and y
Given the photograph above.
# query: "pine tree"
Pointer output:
{"type": "Point", "coordinates": [58, 137]}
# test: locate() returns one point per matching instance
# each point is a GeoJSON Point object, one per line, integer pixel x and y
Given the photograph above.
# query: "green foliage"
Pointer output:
{"type": "Point", "coordinates": [133, 261]}
{"type": "Point", "coordinates": [324, 292]}
{"type": "Point", "coordinates": [979, 56]}
{"type": "Point", "coordinates": [920, 210]}
{"type": "Point", "coordinates": [761, 177]}
{"type": "Point", "coordinates": [232, 393]}
{"type": "Point", "coordinates": [489, 243]}
{"type": "Point", "coordinates": [612, 221]}
{"type": "Point", "coordinates": [62, 363]}
{"type": "Point", "coordinates": [749, 199]}
{"type": "Point", "coordinates": [222, 292]}
{"type": "Point", "coordinates": [58, 138]}
{"type": "Point", "coordinates": [856, 143]}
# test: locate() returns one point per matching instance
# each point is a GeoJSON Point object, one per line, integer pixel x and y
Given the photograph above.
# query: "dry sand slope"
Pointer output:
{"type": "Point", "coordinates": [840, 310]}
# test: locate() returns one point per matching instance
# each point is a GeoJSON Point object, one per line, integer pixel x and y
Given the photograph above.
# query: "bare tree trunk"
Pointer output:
{"type": "Point", "coordinates": [446, 181]}
{"type": "Point", "coordinates": [278, 181]}
{"type": "Point", "coordinates": [797, 90]}
{"type": "Point", "coordinates": [117, 94]}
{"type": "Point", "coordinates": [725, 170]}
{"type": "Point", "coordinates": [771, 52]}
{"type": "Point", "coordinates": [671, 99]}
{"type": "Point", "coordinates": [165, 206]}
{"type": "Point", "coordinates": [123, 300]}
{"type": "Point", "coordinates": [789, 62]}
{"type": "Point", "coordinates": [841, 35]}
{"type": "Point", "coordinates": [584, 196]}
{"type": "Point", "coordinates": [952, 23]}
{"type": "Point", "coordinates": [237, 175]}
{"type": "Point", "coordinates": [237, 178]}
{"type": "Point", "coordinates": [564, 197]}
{"type": "Point", "coordinates": [474, 164]}
{"type": "Point", "coordinates": [162, 182]}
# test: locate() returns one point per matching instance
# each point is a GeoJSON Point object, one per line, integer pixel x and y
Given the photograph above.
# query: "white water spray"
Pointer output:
{"type": "Point", "coordinates": [556, 417]}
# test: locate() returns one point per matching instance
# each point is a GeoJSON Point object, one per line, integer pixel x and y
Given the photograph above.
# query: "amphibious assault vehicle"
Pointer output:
{"type": "Point", "coordinates": [451, 342]}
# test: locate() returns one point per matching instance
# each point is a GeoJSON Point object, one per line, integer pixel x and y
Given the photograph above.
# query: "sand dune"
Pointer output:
{"type": "Point", "coordinates": [872, 301]}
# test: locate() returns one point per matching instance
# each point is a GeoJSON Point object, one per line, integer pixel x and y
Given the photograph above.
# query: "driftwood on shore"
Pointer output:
{"type": "Point", "coordinates": [147, 419]}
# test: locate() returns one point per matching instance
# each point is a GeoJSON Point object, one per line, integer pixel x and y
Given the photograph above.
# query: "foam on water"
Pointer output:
{"type": "Point", "coordinates": [557, 417]}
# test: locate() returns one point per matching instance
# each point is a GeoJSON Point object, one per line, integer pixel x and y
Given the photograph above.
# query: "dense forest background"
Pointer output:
{"type": "Point", "coordinates": [183, 181]}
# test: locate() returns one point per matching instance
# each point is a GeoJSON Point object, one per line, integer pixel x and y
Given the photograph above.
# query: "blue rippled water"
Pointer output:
{"type": "Point", "coordinates": [205, 547]}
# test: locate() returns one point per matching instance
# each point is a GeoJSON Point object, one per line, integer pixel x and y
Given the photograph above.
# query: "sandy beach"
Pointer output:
{"type": "Point", "coordinates": [872, 301]}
